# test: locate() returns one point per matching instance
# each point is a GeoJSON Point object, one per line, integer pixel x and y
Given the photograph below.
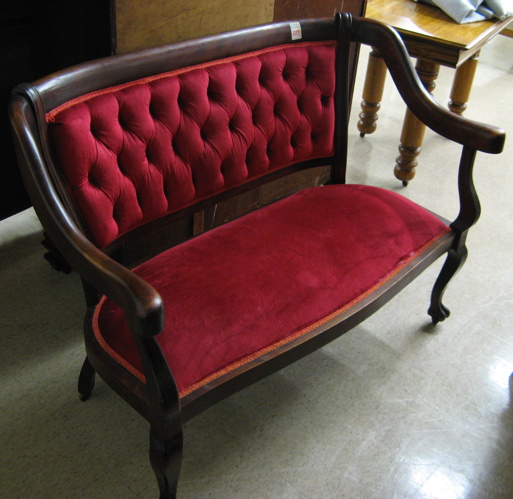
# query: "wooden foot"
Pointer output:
{"type": "Point", "coordinates": [53, 257]}
{"type": "Point", "coordinates": [412, 135]}
{"type": "Point", "coordinates": [166, 460]}
{"type": "Point", "coordinates": [455, 260]}
{"type": "Point", "coordinates": [86, 380]}
{"type": "Point", "coordinates": [372, 93]}
{"type": "Point", "coordinates": [462, 85]}
{"type": "Point", "coordinates": [406, 162]}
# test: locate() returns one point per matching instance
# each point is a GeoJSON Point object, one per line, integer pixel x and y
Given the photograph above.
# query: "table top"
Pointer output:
{"type": "Point", "coordinates": [431, 34]}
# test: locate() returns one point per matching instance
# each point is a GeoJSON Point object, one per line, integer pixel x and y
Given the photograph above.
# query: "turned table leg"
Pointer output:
{"type": "Point", "coordinates": [462, 84]}
{"type": "Point", "coordinates": [372, 93]}
{"type": "Point", "coordinates": [412, 134]}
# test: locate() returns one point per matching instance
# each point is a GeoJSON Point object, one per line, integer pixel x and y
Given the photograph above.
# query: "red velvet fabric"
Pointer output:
{"type": "Point", "coordinates": [238, 290]}
{"type": "Point", "coordinates": [136, 152]}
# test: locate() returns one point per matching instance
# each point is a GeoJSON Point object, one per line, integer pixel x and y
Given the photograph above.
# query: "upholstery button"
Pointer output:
{"type": "Point", "coordinates": [211, 95]}
{"type": "Point", "coordinates": [325, 100]}
{"type": "Point", "coordinates": [181, 102]}
{"type": "Point", "coordinates": [152, 110]}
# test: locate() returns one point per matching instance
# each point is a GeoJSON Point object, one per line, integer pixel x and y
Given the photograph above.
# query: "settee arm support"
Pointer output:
{"type": "Point", "coordinates": [386, 40]}
{"type": "Point", "coordinates": [470, 207]}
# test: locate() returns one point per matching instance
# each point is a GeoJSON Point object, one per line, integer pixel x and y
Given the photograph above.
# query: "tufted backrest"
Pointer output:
{"type": "Point", "coordinates": [135, 152]}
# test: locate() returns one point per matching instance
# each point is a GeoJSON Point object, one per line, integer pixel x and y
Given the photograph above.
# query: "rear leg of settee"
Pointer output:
{"type": "Point", "coordinates": [166, 461]}
{"type": "Point", "coordinates": [455, 260]}
{"type": "Point", "coordinates": [86, 380]}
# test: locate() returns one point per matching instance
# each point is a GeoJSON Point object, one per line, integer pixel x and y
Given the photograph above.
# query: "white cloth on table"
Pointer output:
{"type": "Point", "coordinates": [468, 11]}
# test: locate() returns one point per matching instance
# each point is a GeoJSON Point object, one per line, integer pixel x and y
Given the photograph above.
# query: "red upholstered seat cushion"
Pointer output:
{"type": "Point", "coordinates": [262, 280]}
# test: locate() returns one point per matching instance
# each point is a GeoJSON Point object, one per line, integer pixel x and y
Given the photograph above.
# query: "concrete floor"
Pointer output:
{"type": "Point", "coordinates": [394, 409]}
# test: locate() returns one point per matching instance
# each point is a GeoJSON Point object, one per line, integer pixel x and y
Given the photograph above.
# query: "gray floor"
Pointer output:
{"type": "Point", "coordinates": [394, 409]}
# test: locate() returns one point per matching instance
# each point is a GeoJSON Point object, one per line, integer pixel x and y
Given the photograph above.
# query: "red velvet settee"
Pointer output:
{"type": "Point", "coordinates": [118, 153]}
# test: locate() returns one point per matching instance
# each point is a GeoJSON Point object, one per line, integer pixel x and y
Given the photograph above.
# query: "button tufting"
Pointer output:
{"type": "Point", "coordinates": [182, 103]}
{"type": "Point", "coordinates": [185, 136]}
{"type": "Point", "coordinates": [211, 94]}
{"type": "Point", "coordinates": [152, 110]}
{"type": "Point", "coordinates": [148, 154]}
{"type": "Point", "coordinates": [326, 100]}
{"type": "Point", "coordinates": [232, 126]}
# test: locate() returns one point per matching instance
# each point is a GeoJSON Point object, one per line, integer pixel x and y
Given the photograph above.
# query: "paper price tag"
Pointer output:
{"type": "Point", "coordinates": [295, 31]}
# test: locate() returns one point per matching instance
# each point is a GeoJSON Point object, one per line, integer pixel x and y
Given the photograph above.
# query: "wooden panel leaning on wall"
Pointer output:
{"type": "Point", "coordinates": [141, 25]}
{"type": "Point", "coordinates": [138, 26]}
{"type": "Point", "coordinates": [295, 9]}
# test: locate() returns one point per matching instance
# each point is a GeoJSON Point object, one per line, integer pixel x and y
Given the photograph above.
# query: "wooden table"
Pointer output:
{"type": "Point", "coordinates": [434, 39]}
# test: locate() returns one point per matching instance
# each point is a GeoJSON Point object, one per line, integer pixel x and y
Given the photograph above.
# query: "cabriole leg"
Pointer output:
{"type": "Point", "coordinates": [455, 260]}
{"type": "Point", "coordinates": [86, 380]}
{"type": "Point", "coordinates": [166, 461]}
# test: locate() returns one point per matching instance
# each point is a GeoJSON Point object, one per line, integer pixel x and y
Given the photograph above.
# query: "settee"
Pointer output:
{"type": "Point", "coordinates": [119, 152]}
